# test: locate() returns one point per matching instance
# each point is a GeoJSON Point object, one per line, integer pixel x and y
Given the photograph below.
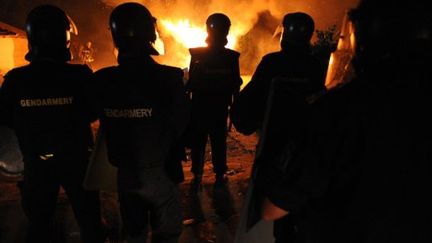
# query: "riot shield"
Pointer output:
{"type": "Point", "coordinates": [11, 159]}
{"type": "Point", "coordinates": [101, 175]}
{"type": "Point", "coordinates": [261, 231]}
{"type": "Point", "coordinates": [340, 69]}
{"type": "Point", "coordinates": [284, 117]}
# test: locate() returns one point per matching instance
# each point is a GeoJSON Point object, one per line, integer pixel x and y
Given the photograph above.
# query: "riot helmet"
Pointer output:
{"type": "Point", "coordinates": [298, 29]}
{"type": "Point", "coordinates": [388, 30]}
{"type": "Point", "coordinates": [133, 29]}
{"type": "Point", "coordinates": [218, 25]}
{"type": "Point", "coordinates": [48, 31]}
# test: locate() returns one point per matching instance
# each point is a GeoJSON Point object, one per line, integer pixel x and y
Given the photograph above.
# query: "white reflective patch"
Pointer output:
{"type": "Point", "coordinates": [46, 102]}
{"type": "Point", "coordinates": [129, 113]}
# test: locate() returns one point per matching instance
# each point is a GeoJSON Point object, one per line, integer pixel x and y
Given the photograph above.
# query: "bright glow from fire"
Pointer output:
{"type": "Point", "coordinates": [187, 35]}
{"type": "Point", "coordinates": [159, 45]}
{"type": "Point", "coordinates": [190, 35]}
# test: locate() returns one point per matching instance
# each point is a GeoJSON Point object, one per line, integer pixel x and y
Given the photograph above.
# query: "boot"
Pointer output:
{"type": "Point", "coordinates": [221, 180]}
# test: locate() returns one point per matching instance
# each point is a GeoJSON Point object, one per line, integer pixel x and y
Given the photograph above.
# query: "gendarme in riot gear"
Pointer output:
{"type": "Point", "coordinates": [143, 112]}
{"type": "Point", "coordinates": [46, 104]}
{"type": "Point", "coordinates": [365, 167]}
{"type": "Point", "coordinates": [274, 103]}
{"type": "Point", "coordinates": [214, 80]}
{"type": "Point", "coordinates": [294, 62]}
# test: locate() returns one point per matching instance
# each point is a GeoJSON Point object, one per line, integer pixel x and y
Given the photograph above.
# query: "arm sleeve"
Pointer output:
{"type": "Point", "coordinates": [237, 79]}
{"type": "Point", "coordinates": [247, 111]}
{"type": "Point", "coordinates": [180, 107]}
{"type": "Point", "coordinates": [194, 70]}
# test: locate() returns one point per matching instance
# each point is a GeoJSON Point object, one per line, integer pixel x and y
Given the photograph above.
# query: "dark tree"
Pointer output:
{"type": "Point", "coordinates": [325, 43]}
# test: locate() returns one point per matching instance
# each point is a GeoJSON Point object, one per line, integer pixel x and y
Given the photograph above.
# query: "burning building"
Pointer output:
{"type": "Point", "coordinates": [181, 24]}
{"type": "Point", "coordinates": [13, 47]}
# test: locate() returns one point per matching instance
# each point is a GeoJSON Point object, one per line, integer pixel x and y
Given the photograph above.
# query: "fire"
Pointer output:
{"type": "Point", "coordinates": [185, 33]}
{"type": "Point", "coordinates": [188, 35]}
{"type": "Point", "coordinates": [191, 35]}
{"type": "Point", "coordinates": [159, 45]}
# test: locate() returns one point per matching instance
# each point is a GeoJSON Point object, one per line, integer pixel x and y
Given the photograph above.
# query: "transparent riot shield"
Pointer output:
{"type": "Point", "coordinates": [340, 69]}
{"type": "Point", "coordinates": [11, 159]}
{"type": "Point", "coordinates": [100, 175]}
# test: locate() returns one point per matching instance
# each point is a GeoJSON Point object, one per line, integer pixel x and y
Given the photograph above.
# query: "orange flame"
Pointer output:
{"type": "Point", "coordinates": [190, 35]}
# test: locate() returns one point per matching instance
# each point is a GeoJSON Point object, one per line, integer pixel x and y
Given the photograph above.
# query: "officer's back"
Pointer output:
{"type": "Point", "coordinates": [214, 70]}
{"type": "Point", "coordinates": [214, 75]}
{"type": "Point", "coordinates": [46, 103]}
{"type": "Point", "coordinates": [142, 110]}
{"type": "Point", "coordinates": [295, 62]}
{"type": "Point", "coordinates": [49, 107]}
{"type": "Point", "coordinates": [137, 98]}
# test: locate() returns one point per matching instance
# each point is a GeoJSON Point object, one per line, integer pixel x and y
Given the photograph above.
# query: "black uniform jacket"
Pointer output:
{"type": "Point", "coordinates": [214, 75]}
{"type": "Point", "coordinates": [142, 108]}
{"type": "Point", "coordinates": [299, 66]}
{"type": "Point", "coordinates": [46, 103]}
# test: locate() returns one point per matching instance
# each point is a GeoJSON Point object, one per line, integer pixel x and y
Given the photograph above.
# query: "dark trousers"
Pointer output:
{"type": "Point", "coordinates": [209, 123]}
{"type": "Point", "coordinates": [149, 198]}
{"type": "Point", "coordinates": [40, 188]}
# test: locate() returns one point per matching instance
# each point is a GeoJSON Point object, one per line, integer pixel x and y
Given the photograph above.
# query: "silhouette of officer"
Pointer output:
{"type": "Point", "coordinates": [46, 103]}
{"type": "Point", "coordinates": [142, 109]}
{"type": "Point", "coordinates": [365, 170]}
{"type": "Point", "coordinates": [214, 81]}
{"type": "Point", "coordinates": [295, 62]}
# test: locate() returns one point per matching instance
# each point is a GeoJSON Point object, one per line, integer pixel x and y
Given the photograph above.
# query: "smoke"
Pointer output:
{"type": "Point", "coordinates": [248, 19]}
{"type": "Point", "coordinates": [244, 13]}
{"type": "Point", "coordinates": [254, 22]}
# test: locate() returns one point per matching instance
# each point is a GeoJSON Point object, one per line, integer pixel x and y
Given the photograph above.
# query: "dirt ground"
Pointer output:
{"type": "Point", "coordinates": [211, 215]}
